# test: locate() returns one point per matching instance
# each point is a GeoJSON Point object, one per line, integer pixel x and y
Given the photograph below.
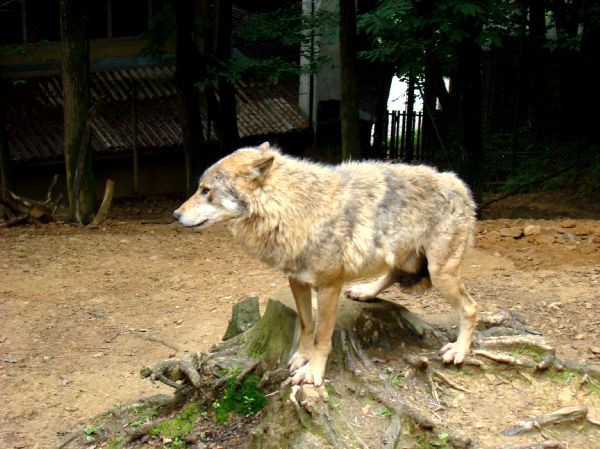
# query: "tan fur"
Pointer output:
{"type": "Point", "coordinates": [326, 225]}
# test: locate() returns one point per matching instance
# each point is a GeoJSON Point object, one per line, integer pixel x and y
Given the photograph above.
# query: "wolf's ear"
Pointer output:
{"type": "Point", "coordinates": [264, 146]}
{"type": "Point", "coordinates": [260, 167]}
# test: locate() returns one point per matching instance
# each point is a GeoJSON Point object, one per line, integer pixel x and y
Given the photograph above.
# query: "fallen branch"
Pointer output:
{"type": "Point", "coordinates": [550, 444]}
{"type": "Point", "coordinates": [106, 202]}
{"type": "Point", "coordinates": [566, 414]}
{"type": "Point", "coordinates": [20, 210]}
{"type": "Point", "coordinates": [528, 184]}
{"type": "Point", "coordinates": [451, 383]}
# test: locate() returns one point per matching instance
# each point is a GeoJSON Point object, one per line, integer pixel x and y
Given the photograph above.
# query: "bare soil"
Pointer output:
{"type": "Point", "coordinates": [82, 310]}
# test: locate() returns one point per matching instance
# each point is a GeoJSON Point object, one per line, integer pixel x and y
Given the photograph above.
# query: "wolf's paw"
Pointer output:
{"type": "Point", "coordinates": [309, 374]}
{"type": "Point", "coordinates": [453, 352]}
{"type": "Point", "coordinates": [298, 360]}
{"type": "Point", "coordinates": [361, 292]}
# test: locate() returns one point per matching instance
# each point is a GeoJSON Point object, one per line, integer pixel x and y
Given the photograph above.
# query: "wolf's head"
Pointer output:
{"type": "Point", "coordinates": [225, 189]}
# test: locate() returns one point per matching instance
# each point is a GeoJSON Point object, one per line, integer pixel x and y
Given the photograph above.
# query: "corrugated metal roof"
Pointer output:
{"type": "Point", "coordinates": [34, 112]}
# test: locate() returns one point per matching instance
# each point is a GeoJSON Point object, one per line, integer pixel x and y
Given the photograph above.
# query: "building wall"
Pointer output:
{"type": "Point", "coordinates": [158, 174]}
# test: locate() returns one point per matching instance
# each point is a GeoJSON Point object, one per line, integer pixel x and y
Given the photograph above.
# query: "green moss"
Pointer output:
{"type": "Point", "coordinates": [529, 352]}
{"type": "Point", "coordinates": [178, 427]}
{"type": "Point", "coordinates": [384, 411]}
{"type": "Point", "coordinates": [142, 415]}
{"type": "Point", "coordinates": [114, 444]}
{"type": "Point", "coordinates": [245, 399]}
{"type": "Point", "coordinates": [258, 348]}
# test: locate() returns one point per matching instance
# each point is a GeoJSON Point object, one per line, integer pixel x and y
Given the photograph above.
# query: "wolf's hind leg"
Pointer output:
{"type": "Point", "coordinates": [302, 297]}
{"type": "Point", "coordinates": [445, 268]}
{"type": "Point", "coordinates": [368, 292]}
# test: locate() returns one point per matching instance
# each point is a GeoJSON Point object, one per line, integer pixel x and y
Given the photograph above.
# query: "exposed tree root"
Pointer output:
{"type": "Point", "coordinates": [566, 414]}
{"type": "Point", "coordinates": [414, 387]}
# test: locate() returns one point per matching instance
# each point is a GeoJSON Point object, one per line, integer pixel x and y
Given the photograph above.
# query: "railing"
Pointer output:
{"type": "Point", "coordinates": [404, 134]}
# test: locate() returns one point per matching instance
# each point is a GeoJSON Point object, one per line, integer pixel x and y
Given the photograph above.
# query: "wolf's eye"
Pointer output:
{"type": "Point", "coordinates": [204, 191]}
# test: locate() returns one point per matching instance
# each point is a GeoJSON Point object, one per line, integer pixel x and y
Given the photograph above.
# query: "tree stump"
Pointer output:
{"type": "Point", "coordinates": [386, 386]}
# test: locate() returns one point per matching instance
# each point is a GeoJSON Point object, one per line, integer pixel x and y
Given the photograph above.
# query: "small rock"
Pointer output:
{"type": "Point", "coordinates": [98, 354]}
{"type": "Point", "coordinates": [595, 349]}
{"type": "Point", "coordinates": [543, 239]}
{"type": "Point", "coordinates": [531, 230]}
{"type": "Point", "coordinates": [513, 231]}
{"type": "Point", "coordinates": [588, 305]}
{"type": "Point", "coordinates": [46, 358]}
{"type": "Point", "coordinates": [568, 224]}
{"type": "Point", "coordinates": [570, 237]}
{"type": "Point", "coordinates": [579, 336]}
{"type": "Point", "coordinates": [9, 358]}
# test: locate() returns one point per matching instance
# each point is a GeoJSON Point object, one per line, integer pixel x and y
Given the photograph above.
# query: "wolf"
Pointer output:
{"type": "Point", "coordinates": [326, 225]}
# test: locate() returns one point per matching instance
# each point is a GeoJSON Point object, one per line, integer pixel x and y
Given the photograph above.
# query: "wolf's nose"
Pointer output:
{"type": "Point", "coordinates": [176, 215]}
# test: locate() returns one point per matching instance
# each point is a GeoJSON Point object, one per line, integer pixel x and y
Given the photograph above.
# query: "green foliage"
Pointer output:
{"type": "Point", "coordinates": [404, 32]}
{"type": "Point", "coordinates": [427, 441]}
{"type": "Point", "coordinates": [160, 30]}
{"type": "Point", "coordinates": [384, 411]}
{"type": "Point", "coordinates": [142, 415]}
{"type": "Point", "coordinates": [395, 379]}
{"type": "Point", "coordinates": [115, 444]}
{"type": "Point", "coordinates": [91, 430]}
{"type": "Point", "coordinates": [177, 428]}
{"type": "Point", "coordinates": [532, 353]}
{"type": "Point", "coordinates": [245, 399]}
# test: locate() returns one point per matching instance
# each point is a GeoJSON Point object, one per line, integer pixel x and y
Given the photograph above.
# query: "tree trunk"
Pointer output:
{"type": "Point", "coordinates": [5, 181]}
{"type": "Point", "coordinates": [186, 76]}
{"type": "Point", "coordinates": [590, 88]}
{"type": "Point", "coordinates": [469, 78]}
{"type": "Point", "coordinates": [76, 103]}
{"type": "Point", "coordinates": [349, 93]}
{"type": "Point", "coordinates": [383, 363]}
{"type": "Point", "coordinates": [385, 74]}
{"type": "Point", "coordinates": [410, 115]}
{"type": "Point", "coordinates": [228, 118]}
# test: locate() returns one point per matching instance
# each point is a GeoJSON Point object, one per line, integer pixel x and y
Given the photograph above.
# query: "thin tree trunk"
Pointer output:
{"type": "Point", "coordinates": [410, 113]}
{"type": "Point", "coordinates": [349, 93]}
{"type": "Point", "coordinates": [228, 121]}
{"type": "Point", "coordinates": [76, 103]}
{"type": "Point", "coordinates": [191, 122]}
{"type": "Point", "coordinates": [590, 87]}
{"type": "Point", "coordinates": [5, 180]}
{"type": "Point", "coordinates": [469, 72]}
{"type": "Point", "coordinates": [384, 81]}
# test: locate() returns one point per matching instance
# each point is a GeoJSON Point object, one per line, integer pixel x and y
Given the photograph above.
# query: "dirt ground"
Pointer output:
{"type": "Point", "coordinates": [82, 310]}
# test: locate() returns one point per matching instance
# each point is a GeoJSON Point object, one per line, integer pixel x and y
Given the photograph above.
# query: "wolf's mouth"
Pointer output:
{"type": "Point", "coordinates": [199, 225]}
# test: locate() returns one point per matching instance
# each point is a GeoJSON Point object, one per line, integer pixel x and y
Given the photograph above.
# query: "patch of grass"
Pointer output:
{"type": "Point", "coordinates": [534, 354]}
{"type": "Point", "coordinates": [114, 444]}
{"type": "Point", "coordinates": [245, 399]}
{"type": "Point", "coordinates": [593, 386]}
{"type": "Point", "coordinates": [90, 431]}
{"type": "Point", "coordinates": [384, 411]}
{"type": "Point", "coordinates": [177, 428]}
{"type": "Point", "coordinates": [564, 376]}
{"type": "Point", "coordinates": [395, 379]}
{"type": "Point", "coordinates": [142, 415]}
{"type": "Point", "coordinates": [427, 441]}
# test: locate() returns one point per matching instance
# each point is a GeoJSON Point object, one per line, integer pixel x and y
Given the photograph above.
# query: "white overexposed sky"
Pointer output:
{"type": "Point", "coordinates": [397, 98]}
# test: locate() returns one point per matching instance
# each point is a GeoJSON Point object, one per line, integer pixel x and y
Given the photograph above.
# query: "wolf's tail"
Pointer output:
{"type": "Point", "coordinates": [416, 282]}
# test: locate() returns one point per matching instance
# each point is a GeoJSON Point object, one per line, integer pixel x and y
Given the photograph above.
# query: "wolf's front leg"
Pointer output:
{"type": "Point", "coordinates": [314, 371]}
{"type": "Point", "coordinates": [302, 297]}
